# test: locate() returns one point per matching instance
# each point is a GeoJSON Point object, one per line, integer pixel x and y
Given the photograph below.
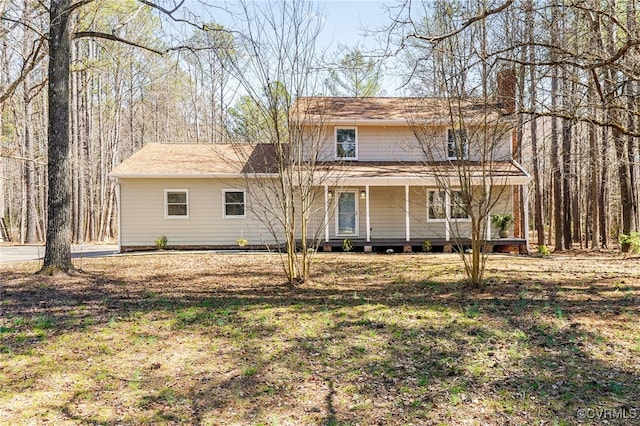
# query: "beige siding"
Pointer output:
{"type": "Point", "coordinates": [387, 211]}
{"type": "Point", "coordinates": [399, 143]}
{"type": "Point", "coordinates": [420, 227]}
{"type": "Point", "coordinates": [143, 214]}
{"type": "Point", "coordinates": [379, 143]}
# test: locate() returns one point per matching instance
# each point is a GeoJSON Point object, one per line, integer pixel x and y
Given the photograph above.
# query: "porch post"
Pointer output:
{"type": "Point", "coordinates": [406, 218]}
{"type": "Point", "coordinates": [326, 214]}
{"type": "Point", "coordinates": [487, 189]}
{"type": "Point", "coordinates": [368, 221]}
{"type": "Point", "coordinates": [526, 217]}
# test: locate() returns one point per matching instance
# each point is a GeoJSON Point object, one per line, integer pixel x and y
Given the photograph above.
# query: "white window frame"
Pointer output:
{"type": "Point", "coordinates": [224, 203]}
{"type": "Point", "coordinates": [465, 153]}
{"type": "Point", "coordinates": [335, 142]}
{"type": "Point", "coordinates": [166, 204]}
{"type": "Point", "coordinates": [356, 233]}
{"type": "Point", "coordinates": [448, 207]}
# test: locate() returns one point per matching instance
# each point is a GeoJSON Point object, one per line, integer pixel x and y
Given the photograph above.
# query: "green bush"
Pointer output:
{"type": "Point", "coordinates": [347, 244]}
{"type": "Point", "coordinates": [543, 250]}
{"type": "Point", "coordinates": [427, 246]}
{"type": "Point", "coordinates": [161, 242]}
{"type": "Point", "coordinates": [633, 240]}
{"type": "Point", "coordinates": [502, 221]}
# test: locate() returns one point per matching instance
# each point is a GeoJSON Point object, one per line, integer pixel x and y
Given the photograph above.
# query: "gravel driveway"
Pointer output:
{"type": "Point", "coordinates": [34, 252]}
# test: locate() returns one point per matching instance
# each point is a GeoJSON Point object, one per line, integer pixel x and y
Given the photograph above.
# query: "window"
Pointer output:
{"type": "Point", "coordinates": [458, 206]}
{"type": "Point", "coordinates": [346, 143]}
{"type": "Point", "coordinates": [176, 204]}
{"type": "Point", "coordinates": [442, 206]}
{"type": "Point", "coordinates": [437, 205]}
{"type": "Point", "coordinates": [457, 146]}
{"type": "Point", "coordinates": [234, 203]}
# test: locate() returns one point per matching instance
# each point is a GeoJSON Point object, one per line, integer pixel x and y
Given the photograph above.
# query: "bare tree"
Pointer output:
{"type": "Point", "coordinates": [275, 69]}
{"type": "Point", "coordinates": [471, 167]}
{"type": "Point", "coordinates": [59, 198]}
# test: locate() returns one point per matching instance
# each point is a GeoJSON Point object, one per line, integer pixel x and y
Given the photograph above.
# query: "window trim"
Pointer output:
{"type": "Point", "coordinates": [465, 153]}
{"type": "Point", "coordinates": [335, 143]}
{"type": "Point", "coordinates": [224, 203]}
{"type": "Point", "coordinates": [166, 204]}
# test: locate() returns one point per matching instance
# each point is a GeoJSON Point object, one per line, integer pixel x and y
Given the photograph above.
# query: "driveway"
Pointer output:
{"type": "Point", "coordinates": [34, 252]}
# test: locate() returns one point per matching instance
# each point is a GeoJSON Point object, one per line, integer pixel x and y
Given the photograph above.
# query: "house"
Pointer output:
{"type": "Point", "coordinates": [379, 167]}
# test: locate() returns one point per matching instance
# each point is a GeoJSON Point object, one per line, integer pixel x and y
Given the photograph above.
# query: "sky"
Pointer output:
{"type": "Point", "coordinates": [351, 23]}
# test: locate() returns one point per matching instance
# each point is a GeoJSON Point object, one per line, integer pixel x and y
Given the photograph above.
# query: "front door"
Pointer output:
{"type": "Point", "coordinates": [347, 217]}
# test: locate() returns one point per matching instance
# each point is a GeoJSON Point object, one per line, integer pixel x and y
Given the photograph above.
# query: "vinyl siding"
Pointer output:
{"type": "Point", "coordinates": [399, 143]}
{"type": "Point", "coordinates": [378, 143]}
{"type": "Point", "coordinates": [143, 214]}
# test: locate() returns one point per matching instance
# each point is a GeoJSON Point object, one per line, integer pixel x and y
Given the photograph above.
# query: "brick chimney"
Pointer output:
{"type": "Point", "coordinates": [506, 82]}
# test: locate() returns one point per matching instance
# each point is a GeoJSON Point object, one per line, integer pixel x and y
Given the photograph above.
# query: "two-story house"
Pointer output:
{"type": "Point", "coordinates": [386, 169]}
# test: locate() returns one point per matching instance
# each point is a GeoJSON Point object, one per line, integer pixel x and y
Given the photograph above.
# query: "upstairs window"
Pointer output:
{"type": "Point", "coordinates": [234, 203]}
{"type": "Point", "coordinates": [176, 204]}
{"type": "Point", "coordinates": [457, 144]}
{"type": "Point", "coordinates": [346, 143]}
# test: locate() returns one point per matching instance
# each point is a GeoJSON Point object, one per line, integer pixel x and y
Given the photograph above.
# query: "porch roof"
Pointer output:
{"type": "Point", "coordinates": [419, 173]}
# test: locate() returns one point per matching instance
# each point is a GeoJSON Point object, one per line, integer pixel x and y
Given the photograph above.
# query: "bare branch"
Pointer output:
{"type": "Point", "coordinates": [486, 13]}
{"type": "Point", "coordinates": [96, 34]}
{"type": "Point", "coordinates": [27, 66]}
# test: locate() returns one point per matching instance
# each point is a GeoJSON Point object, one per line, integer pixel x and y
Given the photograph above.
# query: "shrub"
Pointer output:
{"type": "Point", "coordinates": [543, 250]}
{"type": "Point", "coordinates": [633, 240]}
{"type": "Point", "coordinates": [242, 241]}
{"type": "Point", "coordinates": [502, 221]}
{"type": "Point", "coordinates": [161, 242]}
{"type": "Point", "coordinates": [427, 246]}
{"type": "Point", "coordinates": [347, 244]}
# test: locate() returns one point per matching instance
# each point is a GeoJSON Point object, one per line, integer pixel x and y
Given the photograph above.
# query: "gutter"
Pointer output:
{"type": "Point", "coordinates": [191, 175]}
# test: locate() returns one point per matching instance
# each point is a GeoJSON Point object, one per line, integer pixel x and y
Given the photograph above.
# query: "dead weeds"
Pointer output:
{"type": "Point", "coordinates": [374, 339]}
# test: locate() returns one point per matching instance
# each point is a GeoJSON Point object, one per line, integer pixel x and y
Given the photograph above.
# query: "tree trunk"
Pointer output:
{"type": "Point", "coordinates": [626, 195]}
{"type": "Point", "coordinates": [566, 174]}
{"type": "Point", "coordinates": [538, 214]}
{"type": "Point", "coordinates": [31, 215]}
{"type": "Point", "coordinates": [593, 179]}
{"type": "Point", "coordinates": [58, 248]}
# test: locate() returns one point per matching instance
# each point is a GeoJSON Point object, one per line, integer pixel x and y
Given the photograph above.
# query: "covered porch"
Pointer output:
{"type": "Point", "coordinates": [379, 212]}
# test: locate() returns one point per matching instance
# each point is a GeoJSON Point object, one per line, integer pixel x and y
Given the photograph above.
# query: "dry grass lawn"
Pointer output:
{"type": "Point", "coordinates": [218, 339]}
